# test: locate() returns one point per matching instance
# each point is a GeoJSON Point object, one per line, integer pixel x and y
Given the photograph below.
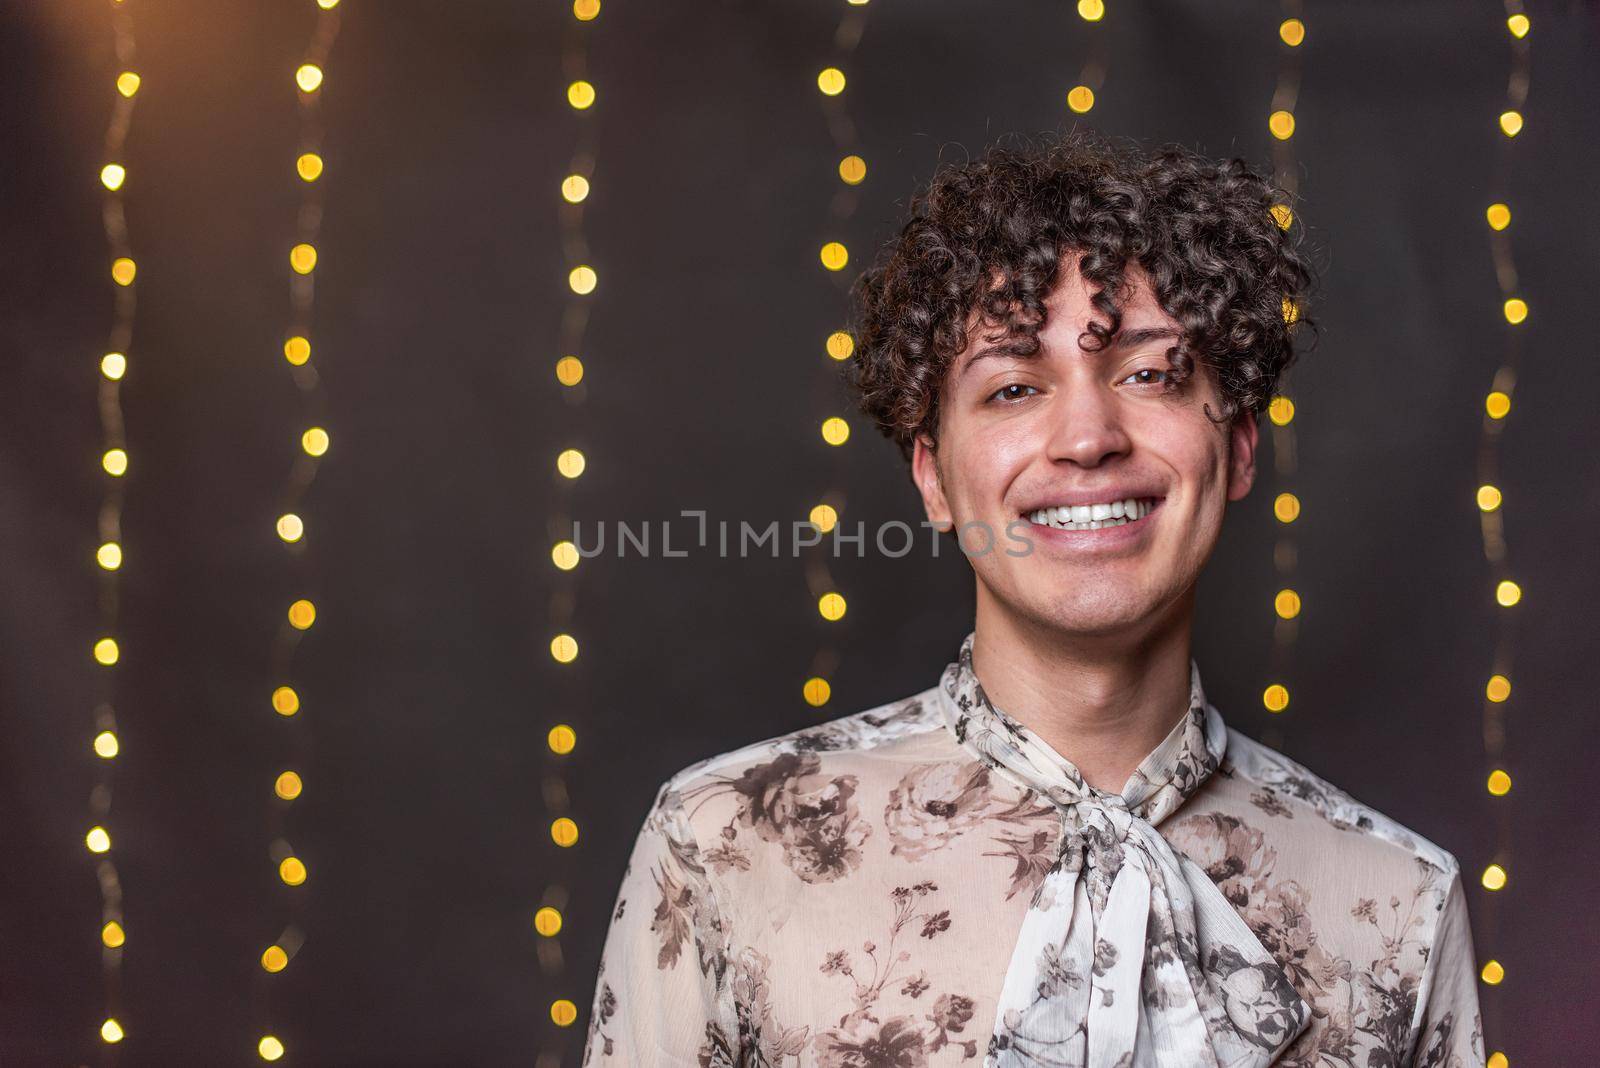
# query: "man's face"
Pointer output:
{"type": "Point", "coordinates": [1066, 427]}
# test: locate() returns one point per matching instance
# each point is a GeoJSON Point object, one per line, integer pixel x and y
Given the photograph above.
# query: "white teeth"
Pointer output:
{"type": "Point", "coordinates": [1093, 516]}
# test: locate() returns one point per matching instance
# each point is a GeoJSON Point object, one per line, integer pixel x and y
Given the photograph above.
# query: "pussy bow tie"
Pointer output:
{"type": "Point", "coordinates": [1129, 956]}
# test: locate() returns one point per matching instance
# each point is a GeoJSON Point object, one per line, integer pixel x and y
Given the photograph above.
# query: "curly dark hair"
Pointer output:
{"type": "Point", "coordinates": [1221, 245]}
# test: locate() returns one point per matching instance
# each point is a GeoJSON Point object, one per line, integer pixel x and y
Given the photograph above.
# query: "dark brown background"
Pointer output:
{"type": "Point", "coordinates": [439, 296]}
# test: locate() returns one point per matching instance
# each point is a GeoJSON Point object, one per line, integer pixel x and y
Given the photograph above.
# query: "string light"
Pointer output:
{"type": "Point", "coordinates": [1085, 92]}
{"type": "Point", "coordinates": [1490, 497]}
{"type": "Point", "coordinates": [847, 170]}
{"type": "Point", "coordinates": [111, 369]}
{"type": "Point", "coordinates": [303, 458]}
{"type": "Point", "coordinates": [1288, 602]}
{"type": "Point", "coordinates": [573, 194]}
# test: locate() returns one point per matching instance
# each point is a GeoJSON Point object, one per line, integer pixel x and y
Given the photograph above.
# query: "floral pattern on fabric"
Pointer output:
{"type": "Point", "coordinates": [926, 884]}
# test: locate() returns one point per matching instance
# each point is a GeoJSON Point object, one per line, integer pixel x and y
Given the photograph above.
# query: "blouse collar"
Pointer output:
{"type": "Point", "coordinates": [1164, 779]}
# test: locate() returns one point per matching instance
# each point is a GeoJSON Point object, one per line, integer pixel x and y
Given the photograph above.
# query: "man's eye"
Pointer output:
{"type": "Point", "coordinates": [1009, 393]}
{"type": "Point", "coordinates": [1151, 371]}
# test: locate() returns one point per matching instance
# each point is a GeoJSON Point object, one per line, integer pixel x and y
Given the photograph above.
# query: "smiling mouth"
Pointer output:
{"type": "Point", "coordinates": [1095, 516]}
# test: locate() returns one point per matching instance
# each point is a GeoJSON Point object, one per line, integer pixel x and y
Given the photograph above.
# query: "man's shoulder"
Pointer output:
{"type": "Point", "coordinates": [1281, 782]}
{"type": "Point", "coordinates": [881, 730]}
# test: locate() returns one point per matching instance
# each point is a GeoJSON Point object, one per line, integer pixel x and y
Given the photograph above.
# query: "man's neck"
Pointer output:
{"type": "Point", "coordinates": [1102, 704]}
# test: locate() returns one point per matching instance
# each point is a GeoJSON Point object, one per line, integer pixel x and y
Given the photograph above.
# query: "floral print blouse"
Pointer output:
{"type": "Point", "coordinates": [929, 883]}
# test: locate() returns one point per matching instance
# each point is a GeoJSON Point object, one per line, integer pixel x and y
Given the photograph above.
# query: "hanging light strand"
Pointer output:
{"type": "Point", "coordinates": [1282, 410]}
{"type": "Point", "coordinates": [1504, 595]}
{"type": "Point", "coordinates": [580, 284]}
{"type": "Point", "coordinates": [1086, 91]}
{"type": "Point", "coordinates": [106, 742]}
{"type": "Point", "coordinates": [847, 173]}
{"type": "Point", "coordinates": [307, 445]}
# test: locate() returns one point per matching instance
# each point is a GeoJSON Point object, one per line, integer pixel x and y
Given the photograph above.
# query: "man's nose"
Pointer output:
{"type": "Point", "coordinates": [1086, 426]}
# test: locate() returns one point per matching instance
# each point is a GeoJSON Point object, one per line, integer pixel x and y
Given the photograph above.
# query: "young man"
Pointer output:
{"type": "Point", "coordinates": [1058, 854]}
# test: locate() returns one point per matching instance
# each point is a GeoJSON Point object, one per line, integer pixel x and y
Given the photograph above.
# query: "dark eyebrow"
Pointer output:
{"type": "Point", "coordinates": [1124, 339]}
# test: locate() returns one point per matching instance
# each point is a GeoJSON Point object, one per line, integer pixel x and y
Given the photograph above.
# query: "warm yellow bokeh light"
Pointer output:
{"type": "Point", "coordinates": [564, 555]}
{"type": "Point", "coordinates": [109, 556]}
{"type": "Point", "coordinates": [817, 691]}
{"type": "Point", "coordinates": [1286, 507]}
{"type": "Point", "coordinates": [1286, 604]}
{"type": "Point", "coordinates": [270, 1048]}
{"type": "Point", "coordinates": [1497, 404]}
{"type": "Point", "coordinates": [1498, 689]}
{"type": "Point", "coordinates": [106, 651]}
{"type": "Point", "coordinates": [302, 614]}
{"type": "Point", "coordinates": [308, 77]}
{"type": "Point", "coordinates": [1507, 593]}
{"type": "Point", "coordinates": [1497, 1060]}
{"type": "Point", "coordinates": [840, 345]}
{"type": "Point", "coordinates": [1494, 877]}
{"type": "Point", "coordinates": [1489, 498]}
{"type": "Point", "coordinates": [564, 832]}
{"type": "Point", "coordinates": [308, 165]}
{"type": "Point", "coordinates": [303, 258]}
{"type": "Point", "coordinates": [1292, 32]}
{"type": "Point", "coordinates": [127, 83]}
{"type": "Point", "coordinates": [292, 870]}
{"type": "Point", "coordinates": [288, 786]}
{"type": "Point", "coordinates": [115, 462]}
{"type": "Point", "coordinates": [285, 702]}
{"type": "Point", "coordinates": [297, 350]}
{"type": "Point", "coordinates": [1516, 310]}
{"type": "Point", "coordinates": [1291, 310]}
{"type": "Point", "coordinates": [274, 959]}
{"type": "Point", "coordinates": [1281, 123]}
{"type": "Point", "coordinates": [1080, 98]}
{"type": "Point", "coordinates": [112, 175]}
{"type": "Point", "coordinates": [1275, 697]}
{"type": "Point", "coordinates": [835, 431]}
{"type": "Point", "coordinates": [1518, 25]}
{"type": "Point", "coordinates": [1493, 972]}
{"type": "Point", "coordinates": [562, 739]}
{"type": "Point", "coordinates": [1499, 216]}
{"type": "Point", "coordinates": [835, 256]}
{"type": "Point", "coordinates": [291, 527]}
{"type": "Point", "coordinates": [582, 279]}
{"type": "Point", "coordinates": [585, 10]}
{"type": "Point", "coordinates": [1281, 411]}
{"type": "Point", "coordinates": [114, 365]}
{"type": "Point", "coordinates": [122, 271]}
{"type": "Point", "coordinates": [563, 1013]}
{"type": "Point", "coordinates": [574, 188]}
{"type": "Point", "coordinates": [98, 840]}
{"type": "Point", "coordinates": [1499, 783]}
{"type": "Point", "coordinates": [564, 648]}
{"type": "Point", "coordinates": [832, 606]}
{"type": "Point", "coordinates": [570, 463]}
{"type": "Point", "coordinates": [547, 921]}
{"type": "Point", "coordinates": [569, 370]}
{"type": "Point", "coordinates": [1511, 123]}
{"type": "Point", "coordinates": [1091, 10]}
{"type": "Point", "coordinates": [112, 936]}
{"type": "Point", "coordinates": [852, 170]}
{"type": "Point", "coordinates": [1282, 214]}
{"type": "Point", "coordinates": [824, 517]}
{"type": "Point", "coordinates": [580, 94]}
{"type": "Point", "coordinates": [315, 441]}
{"type": "Point", "coordinates": [111, 1031]}
{"type": "Point", "coordinates": [106, 745]}
{"type": "Point", "coordinates": [831, 81]}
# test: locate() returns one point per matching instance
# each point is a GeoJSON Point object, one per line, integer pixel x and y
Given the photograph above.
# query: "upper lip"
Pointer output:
{"type": "Point", "coordinates": [1093, 496]}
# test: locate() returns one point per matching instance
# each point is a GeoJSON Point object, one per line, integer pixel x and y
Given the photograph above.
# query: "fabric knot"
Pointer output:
{"type": "Point", "coordinates": [1121, 920]}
